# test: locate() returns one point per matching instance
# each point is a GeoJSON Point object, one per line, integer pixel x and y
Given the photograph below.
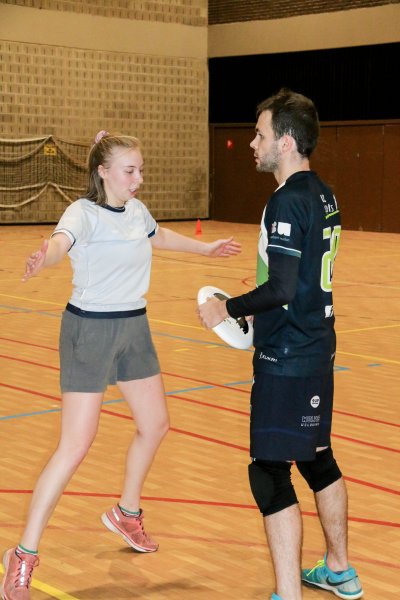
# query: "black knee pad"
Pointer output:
{"type": "Point", "coordinates": [271, 485]}
{"type": "Point", "coordinates": [321, 472]}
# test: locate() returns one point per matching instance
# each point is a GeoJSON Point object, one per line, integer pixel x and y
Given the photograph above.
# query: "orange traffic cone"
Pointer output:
{"type": "Point", "coordinates": [198, 227]}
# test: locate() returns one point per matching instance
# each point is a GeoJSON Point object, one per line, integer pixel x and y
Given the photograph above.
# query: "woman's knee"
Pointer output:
{"type": "Point", "coordinates": [157, 429]}
{"type": "Point", "coordinates": [72, 454]}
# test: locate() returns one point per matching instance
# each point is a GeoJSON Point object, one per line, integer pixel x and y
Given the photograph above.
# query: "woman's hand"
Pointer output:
{"type": "Point", "coordinates": [223, 248]}
{"type": "Point", "coordinates": [35, 261]}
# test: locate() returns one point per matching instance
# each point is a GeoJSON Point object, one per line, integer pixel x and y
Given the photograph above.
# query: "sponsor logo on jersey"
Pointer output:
{"type": "Point", "coordinates": [284, 229]}
{"type": "Point", "coordinates": [281, 228]}
{"type": "Point", "coordinates": [265, 357]}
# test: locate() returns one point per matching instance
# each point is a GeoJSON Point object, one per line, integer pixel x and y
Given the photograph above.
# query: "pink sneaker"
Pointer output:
{"type": "Point", "coordinates": [17, 574]}
{"type": "Point", "coordinates": [130, 528]}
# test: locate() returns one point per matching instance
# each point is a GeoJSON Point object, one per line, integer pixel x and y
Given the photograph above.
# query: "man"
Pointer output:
{"type": "Point", "coordinates": [294, 340]}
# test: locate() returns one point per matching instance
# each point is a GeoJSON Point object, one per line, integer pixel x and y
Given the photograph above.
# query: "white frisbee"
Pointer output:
{"type": "Point", "coordinates": [235, 332]}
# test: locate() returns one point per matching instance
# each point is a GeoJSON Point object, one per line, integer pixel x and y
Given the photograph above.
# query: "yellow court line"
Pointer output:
{"type": "Point", "coordinates": [48, 589]}
{"type": "Point", "coordinates": [32, 300]}
{"type": "Point", "coordinates": [368, 284]}
{"type": "Point", "coordinates": [18, 279]}
{"type": "Point", "coordinates": [172, 268]}
{"type": "Point", "coordinates": [368, 328]}
{"type": "Point", "coordinates": [176, 324]}
{"type": "Point", "coordinates": [369, 357]}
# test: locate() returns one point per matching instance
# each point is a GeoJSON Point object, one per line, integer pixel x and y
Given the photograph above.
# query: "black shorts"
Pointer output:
{"type": "Point", "coordinates": [290, 416]}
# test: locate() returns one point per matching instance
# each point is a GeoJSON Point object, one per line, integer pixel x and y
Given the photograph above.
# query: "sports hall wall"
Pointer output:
{"type": "Point", "coordinates": [71, 68]}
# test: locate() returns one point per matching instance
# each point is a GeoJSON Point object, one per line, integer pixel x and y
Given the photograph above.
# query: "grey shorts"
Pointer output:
{"type": "Point", "coordinates": [95, 353]}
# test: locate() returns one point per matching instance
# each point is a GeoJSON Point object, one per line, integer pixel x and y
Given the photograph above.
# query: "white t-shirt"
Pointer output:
{"type": "Point", "coordinates": [110, 254]}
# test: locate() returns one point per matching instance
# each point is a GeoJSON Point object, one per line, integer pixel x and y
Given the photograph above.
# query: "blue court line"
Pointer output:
{"type": "Point", "coordinates": [29, 310]}
{"type": "Point", "coordinates": [118, 400]}
{"type": "Point", "coordinates": [15, 308]}
{"type": "Point", "coordinates": [176, 337]}
{"type": "Point", "coordinates": [193, 341]}
{"type": "Point", "coordinates": [32, 414]}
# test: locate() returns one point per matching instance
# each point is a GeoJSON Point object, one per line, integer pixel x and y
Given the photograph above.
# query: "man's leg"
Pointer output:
{"type": "Point", "coordinates": [325, 479]}
{"type": "Point", "coordinates": [333, 573]}
{"type": "Point", "coordinates": [272, 488]}
{"type": "Point", "coordinates": [332, 510]}
{"type": "Point", "coordinates": [284, 535]}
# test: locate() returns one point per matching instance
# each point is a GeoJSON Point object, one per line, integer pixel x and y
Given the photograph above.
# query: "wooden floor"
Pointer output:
{"type": "Point", "coordinates": [197, 499]}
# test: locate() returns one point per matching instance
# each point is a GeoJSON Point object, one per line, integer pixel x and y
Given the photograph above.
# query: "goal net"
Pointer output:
{"type": "Point", "coordinates": [39, 176]}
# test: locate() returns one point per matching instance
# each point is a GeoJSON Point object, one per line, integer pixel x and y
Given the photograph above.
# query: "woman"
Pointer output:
{"type": "Point", "coordinates": [104, 339]}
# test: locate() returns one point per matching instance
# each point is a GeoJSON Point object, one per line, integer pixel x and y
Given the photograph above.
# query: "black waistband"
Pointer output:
{"type": "Point", "coordinates": [117, 314]}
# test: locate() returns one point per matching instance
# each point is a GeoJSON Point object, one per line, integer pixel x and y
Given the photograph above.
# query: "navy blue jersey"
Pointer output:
{"type": "Point", "coordinates": [301, 220]}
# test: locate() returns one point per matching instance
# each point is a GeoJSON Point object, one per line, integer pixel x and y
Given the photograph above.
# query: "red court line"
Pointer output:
{"type": "Point", "coordinates": [28, 344]}
{"type": "Point", "coordinates": [202, 403]}
{"type": "Point", "coordinates": [233, 410]}
{"type": "Point", "coordinates": [33, 392]}
{"type": "Point", "coordinates": [128, 417]}
{"type": "Point", "coordinates": [348, 414]}
{"type": "Point", "coordinates": [211, 383]}
{"type": "Point", "coordinates": [354, 559]}
{"type": "Point", "coordinates": [354, 440]}
{"type": "Point", "coordinates": [221, 385]}
{"type": "Point", "coordinates": [373, 485]}
{"type": "Point", "coordinates": [29, 362]}
{"type": "Point", "coordinates": [182, 431]}
{"type": "Point", "coordinates": [209, 439]}
{"type": "Point", "coordinates": [349, 439]}
{"type": "Point", "coordinates": [201, 503]}
{"type": "Point", "coordinates": [358, 520]}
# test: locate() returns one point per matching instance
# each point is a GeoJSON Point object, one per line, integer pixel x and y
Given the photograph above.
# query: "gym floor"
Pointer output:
{"type": "Point", "coordinates": [196, 498]}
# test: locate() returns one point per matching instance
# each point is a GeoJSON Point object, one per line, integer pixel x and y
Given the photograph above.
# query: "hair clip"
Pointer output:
{"type": "Point", "coordinates": [100, 135]}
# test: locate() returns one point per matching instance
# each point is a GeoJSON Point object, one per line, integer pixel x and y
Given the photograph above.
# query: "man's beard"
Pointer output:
{"type": "Point", "coordinates": [269, 163]}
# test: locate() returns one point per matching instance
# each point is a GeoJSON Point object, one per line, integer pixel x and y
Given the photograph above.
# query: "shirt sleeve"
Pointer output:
{"type": "Point", "coordinates": [279, 290]}
{"type": "Point", "coordinates": [286, 224]}
{"type": "Point", "coordinates": [151, 225]}
{"type": "Point", "coordinates": [71, 222]}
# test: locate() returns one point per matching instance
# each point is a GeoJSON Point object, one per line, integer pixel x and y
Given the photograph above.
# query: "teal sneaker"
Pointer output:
{"type": "Point", "coordinates": [344, 584]}
{"type": "Point", "coordinates": [275, 597]}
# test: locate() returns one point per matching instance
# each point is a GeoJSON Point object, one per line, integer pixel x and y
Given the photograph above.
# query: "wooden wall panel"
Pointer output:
{"type": "Point", "coordinates": [359, 176]}
{"type": "Point", "coordinates": [238, 192]}
{"type": "Point", "coordinates": [359, 161]}
{"type": "Point", "coordinates": [391, 180]}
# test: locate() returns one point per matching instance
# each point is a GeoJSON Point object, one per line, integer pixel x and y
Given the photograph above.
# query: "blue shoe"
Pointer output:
{"type": "Point", "coordinates": [344, 584]}
{"type": "Point", "coordinates": [275, 597]}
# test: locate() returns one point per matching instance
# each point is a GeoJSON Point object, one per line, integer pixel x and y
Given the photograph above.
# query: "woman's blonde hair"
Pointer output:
{"type": "Point", "coordinates": [100, 154]}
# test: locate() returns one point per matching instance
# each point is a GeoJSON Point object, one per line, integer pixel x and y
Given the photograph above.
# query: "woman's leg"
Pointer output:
{"type": "Point", "coordinates": [79, 421]}
{"type": "Point", "coordinates": [146, 400]}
